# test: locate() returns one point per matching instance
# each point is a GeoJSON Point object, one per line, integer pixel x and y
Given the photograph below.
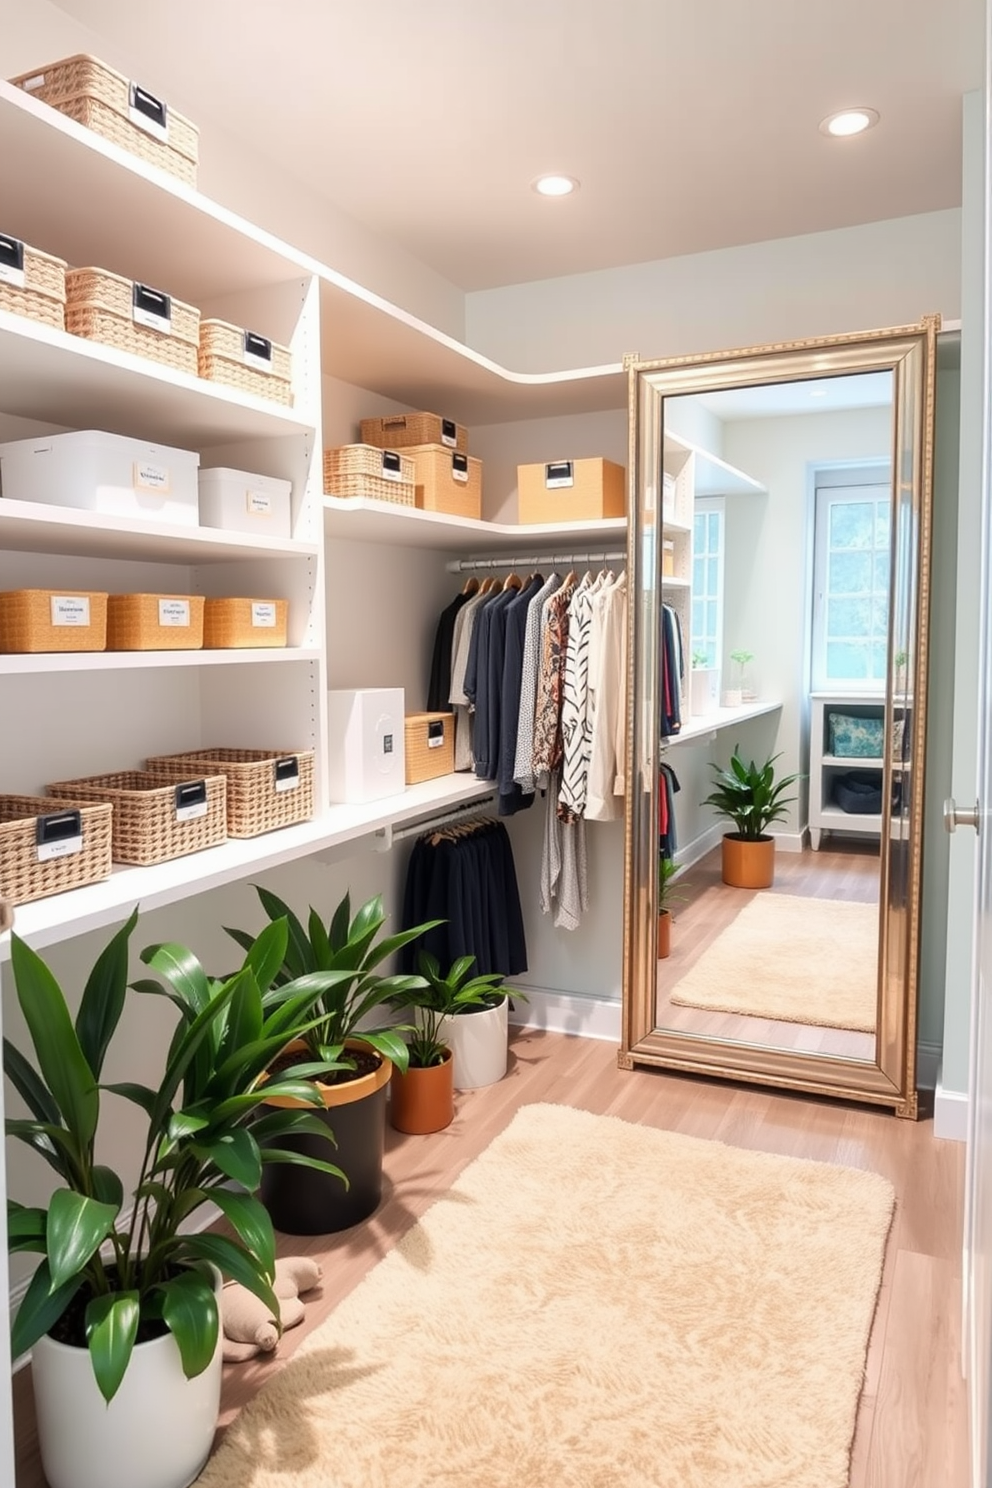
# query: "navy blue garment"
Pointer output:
{"type": "Point", "coordinates": [511, 798]}
{"type": "Point", "coordinates": [469, 882]}
{"type": "Point", "coordinates": [485, 736]}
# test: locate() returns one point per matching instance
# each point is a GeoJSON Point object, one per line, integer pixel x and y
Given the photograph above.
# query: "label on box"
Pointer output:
{"type": "Point", "coordinates": [449, 433]}
{"type": "Point", "coordinates": [392, 468]}
{"type": "Point", "coordinates": [387, 743]}
{"type": "Point", "coordinates": [173, 612]}
{"type": "Point", "coordinates": [258, 504]}
{"type": "Point", "coordinates": [148, 477]}
{"type": "Point", "coordinates": [151, 308]}
{"type": "Point", "coordinates": [58, 835]}
{"type": "Point", "coordinates": [459, 468]}
{"type": "Point", "coordinates": [287, 773]}
{"type": "Point", "coordinates": [11, 261]}
{"type": "Point", "coordinates": [558, 476]}
{"type": "Point", "coordinates": [70, 609]}
{"type": "Point", "coordinates": [191, 800]}
{"type": "Point", "coordinates": [32, 84]}
{"type": "Point", "coordinates": [256, 352]}
{"type": "Point", "coordinates": [263, 613]}
{"type": "Point", "coordinates": [435, 734]}
{"type": "Point", "coordinates": [148, 113]}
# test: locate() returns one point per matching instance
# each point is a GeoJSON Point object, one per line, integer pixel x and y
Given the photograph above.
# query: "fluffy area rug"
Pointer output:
{"type": "Point", "coordinates": [592, 1304]}
{"type": "Point", "coordinates": [795, 959]}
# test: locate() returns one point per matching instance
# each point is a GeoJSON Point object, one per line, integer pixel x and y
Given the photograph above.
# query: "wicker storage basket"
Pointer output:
{"type": "Point", "coordinates": [362, 470]}
{"type": "Point", "coordinates": [45, 848]}
{"type": "Point", "coordinates": [265, 789]}
{"type": "Point", "coordinates": [400, 430]}
{"type": "Point", "coordinates": [154, 622]}
{"type": "Point", "coordinates": [447, 480]}
{"type": "Point", "coordinates": [52, 620]}
{"type": "Point", "coordinates": [133, 317]}
{"type": "Point", "coordinates": [429, 740]}
{"type": "Point", "coordinates": [155, 818]}
{"type": "Point", "coordinates": [244, 622]}
{"type": "Point", "coordinates": [243, 360]}
{"type": "Point", "coordinates": [32, 283]}
{"type": "Point", "coordinates": [105, 101]}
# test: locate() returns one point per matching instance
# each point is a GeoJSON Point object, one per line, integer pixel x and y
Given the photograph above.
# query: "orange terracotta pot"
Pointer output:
{"type": "Point", "coordinates": [664, 934]}
{"type": "Point", "coordinates": [423, 1100]}
{"type": "Point", "coordinates": [748, 864]}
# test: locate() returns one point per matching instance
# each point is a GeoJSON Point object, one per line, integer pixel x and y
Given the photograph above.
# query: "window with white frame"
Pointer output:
{"type": "Point", "coordinates": [707, 583]}
{"type": "Point", "coordinates": [851, 566]}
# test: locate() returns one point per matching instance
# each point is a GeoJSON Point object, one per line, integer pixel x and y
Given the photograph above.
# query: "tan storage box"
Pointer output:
{"type": "Point", "coordinates": [246, 361]}
{"type": "Point", "coordinates": [447, 480]}
{"type": "Point", "coordinates": [233, 623]}
{"type": "Point", "coordinates": [105, 101]}
{"type": "Point", "coordinates": [400, 430]}
{"type": "Point", "coordinates": [32, 283]}
{"type": "Point", "coordinates": [46, 847]}
{"type": "Point", "coordinates": [361, 470]}
{"type": "Point", "coordinates": [133, 317]}
{"type": "Point", "coordinates": [429, 742]}
{"type": "Point", "coordinates": [155, 818]}
{"type": "Point", "coordinates": [265, 789]}
{"type": "Point", "coordinates": [571, 491]}
{"type": "Point", "coordinates": [52, 620]}
{"type": "Point", "coordinates": [154, 622]}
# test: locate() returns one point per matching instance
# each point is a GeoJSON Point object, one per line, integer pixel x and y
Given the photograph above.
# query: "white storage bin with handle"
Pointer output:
{"type": "Point", "coordinates": [241, 502]}
{"type": "Point", "coordinates": [106, 473]}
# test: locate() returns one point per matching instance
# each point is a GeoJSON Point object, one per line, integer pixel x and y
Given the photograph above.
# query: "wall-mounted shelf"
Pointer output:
{"type": "Point", "coordinates": [362, 520]}
{"type": "Point", "coordinates": [123, 661]}
{"type": "Point", "coordinates": [698, 730]}
{"type": "Point", "coordinates": [711, 475]}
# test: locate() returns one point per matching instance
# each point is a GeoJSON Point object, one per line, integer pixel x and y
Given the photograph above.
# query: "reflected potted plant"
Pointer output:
{"type": "Point", "coordinates": [739, 689]}
{"type": "Point", "coordinates": [667, 871]}
{"type": "Point", "coordinates": [704, 685]}
{"type": "Point", "coordinates": [750, 797]}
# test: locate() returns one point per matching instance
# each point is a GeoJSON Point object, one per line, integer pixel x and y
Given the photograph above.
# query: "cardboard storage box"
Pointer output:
{"type": "Point", "coordinates": [238, 501]}
{"type": "Point", "coordinates": [367, 758]}
{"type": "Point", "coordinates": [106, 473]}
{"type": "Point", "coordinates": [447, 480]}
{"type": "Point", "coordinates": [430, 746]}
{"type": "Point", "coordinates": [571, 491]}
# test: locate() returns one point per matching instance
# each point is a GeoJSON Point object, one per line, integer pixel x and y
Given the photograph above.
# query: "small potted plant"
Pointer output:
{"type": "Point", "coordinates": [750, 797]}
{"type": "Point", "coordinates": [478, 1027]}
{"type": "Point", "coordinates": [704, 685]}
{"type": "Point", "coordinates": [667, 871]}
{"type": "Point", "coordinates": [739, 689]}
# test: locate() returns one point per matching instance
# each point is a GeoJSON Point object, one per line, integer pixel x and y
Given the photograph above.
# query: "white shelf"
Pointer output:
{"type": "Point", "coordinates": [849, 821]}
{"type": "Point", "coordinates": [111, 661]}
{"type": "Point", "coordinates": [695, 729]}
{"type": "Point", "coordinates": [670, 525]}
{"type": "Point", "coordinates": [673, 583]}
{"type": "Point", "coordinates": [48, 921]}
{"type": "Point", "coordinates": [850, 762]}
{"type": "Point", "coordinates": [713, 476]}
{"type": "Point", "coordinates": [360, 519]}
{"type": "Point", "coordinates": [30, 527]}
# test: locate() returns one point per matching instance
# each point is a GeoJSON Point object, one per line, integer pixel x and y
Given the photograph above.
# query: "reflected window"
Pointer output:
{"type": "Point", "coordinates": [707, 583]}
{"type": "Point", "coordinates": [851, 566]}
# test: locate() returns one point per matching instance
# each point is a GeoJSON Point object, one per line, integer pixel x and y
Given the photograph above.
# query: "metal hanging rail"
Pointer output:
{"type": "Point", "coordinates": [384, 837]}
{"type": "Point", "coordinates": [534, 560]}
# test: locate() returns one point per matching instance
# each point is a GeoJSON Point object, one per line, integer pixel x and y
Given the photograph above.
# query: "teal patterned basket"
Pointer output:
{"type": "Point", "coordinates": [856, 738]}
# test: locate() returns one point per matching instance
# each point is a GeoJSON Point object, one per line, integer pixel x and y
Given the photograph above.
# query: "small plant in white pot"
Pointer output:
{"type": "Point", "coordinates": [740, 688]}
{"type": "Point", "coordinates": [474, 1021]}
{"type": "Point", "coordinates": [704, 685]}
{"type": "Point", "coordinates": [121, 1312]}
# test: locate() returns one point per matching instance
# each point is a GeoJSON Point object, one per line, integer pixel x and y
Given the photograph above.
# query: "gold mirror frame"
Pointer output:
{"type": "Point", "coordinates": [909, 353]}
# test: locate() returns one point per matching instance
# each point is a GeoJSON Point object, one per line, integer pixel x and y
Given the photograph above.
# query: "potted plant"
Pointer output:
{"type": "Point", "coordinates": [704, 684]}
{"type": "Point", "coordinates": [351, 1059]}
{"type": "Point", "coordinates": [739, 690]}
{"type": "Point", "coordinates": [751, 798]}
{"type": "Point", "coordinates": [478, 1029]}
{"type": "Point", "coordinates": [667, 871]}
{"type": "Point", "coordinates": [121, 1310]}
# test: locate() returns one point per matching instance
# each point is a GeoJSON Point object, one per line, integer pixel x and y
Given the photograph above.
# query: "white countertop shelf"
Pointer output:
{"type": "Point", "coordinates": [47, 921]}
{"type": "Point", "coordinates": [853, 762]}
{"type": "Point", "coordinates": [695, 730]}
{"type": "Point", "coordinates": [32, 527]}
{"type": "Point", "coordinates": [117, 661]}
{"type": "Point", "coordinates": [670, 582]}
{"type": "Point", "coordinates": [363, 520]}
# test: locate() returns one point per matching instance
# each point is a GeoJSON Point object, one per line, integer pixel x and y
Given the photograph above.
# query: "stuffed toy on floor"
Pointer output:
{"type": "Point", "coordinates": [249, 1327]}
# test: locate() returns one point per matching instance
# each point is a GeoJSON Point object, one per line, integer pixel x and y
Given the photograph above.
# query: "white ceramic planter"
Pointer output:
{"type": "Point", "coordinates": [704, 691]}
{"type": "Point", "coordinates": [479, 1043]}
{"type": "Point", "coordinates": [156, 1432]}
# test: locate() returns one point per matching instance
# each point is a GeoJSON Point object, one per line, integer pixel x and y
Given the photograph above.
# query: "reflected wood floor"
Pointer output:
{"type": "Point", "coordinates": [707, 906]}
{"type": "Point", "coordinates": [911, 1427]}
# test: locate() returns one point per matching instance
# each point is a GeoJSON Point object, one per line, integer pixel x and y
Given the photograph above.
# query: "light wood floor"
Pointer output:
{"type": "Point", "coordinates": [911, 1428]}
{"type": "Point", "coordinates": [707, 906]}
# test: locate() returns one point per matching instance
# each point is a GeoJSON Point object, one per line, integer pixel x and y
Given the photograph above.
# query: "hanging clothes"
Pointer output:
{"type": "Point", "coordinates": [465, 876]}
{"type": "Point", "coordinates": [547, 751]}
{"type": "Point", "coordinates": [668, 785]}
{"type": "Point", "coordinates": [511, 797]}
{"type": "Point", "coordinates": [465, 622]}
{"type": "Point", "coordinates": [523, 763]}
{"type": "Point", "coordinates": [439, 685]}
{"type": "Point", "coordinates": [608, 723]}
{"type": "Point", "coordinates": [672, 668]}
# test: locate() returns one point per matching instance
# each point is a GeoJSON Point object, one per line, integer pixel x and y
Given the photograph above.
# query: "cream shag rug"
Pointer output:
{"type": "Point", "coordinates": [592, 1304]}
{"type": "Point", "coordinates": [798, 960]}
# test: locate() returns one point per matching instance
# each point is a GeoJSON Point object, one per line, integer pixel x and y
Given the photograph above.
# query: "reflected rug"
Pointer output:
{"type": "Point", "coordinates": [593, 1303]}
{"type": "Point", "coordinates": [795, 959]}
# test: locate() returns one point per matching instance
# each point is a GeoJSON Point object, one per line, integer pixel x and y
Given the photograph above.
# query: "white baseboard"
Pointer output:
{"type": "Point", "coordinates": [790, 842]}
{"type": "Point", "coordinates": [569, 1012]}
{"type": "Point", "coordinates": [950, 1112]}
{"type": "Point", "coordinates": [700, 846]}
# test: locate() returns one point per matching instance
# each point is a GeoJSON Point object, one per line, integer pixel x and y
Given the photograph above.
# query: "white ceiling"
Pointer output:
{"type": "Point", "coordinates": [692, 124]}
{"type": "Point", "coordinates": [819, 395]}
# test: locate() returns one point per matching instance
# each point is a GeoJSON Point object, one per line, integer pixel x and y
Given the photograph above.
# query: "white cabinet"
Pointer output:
{"type": "Point", "coordinates": [837, 780]}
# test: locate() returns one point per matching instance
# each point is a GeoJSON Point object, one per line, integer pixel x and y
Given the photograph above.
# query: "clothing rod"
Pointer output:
{"type": "Point", "coordinates": [531, 560]}
{"type": "Point", "coordinates": [386, 836]}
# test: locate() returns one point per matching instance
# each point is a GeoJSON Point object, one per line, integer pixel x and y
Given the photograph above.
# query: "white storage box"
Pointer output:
{"type": "Point", "coordinates": [367, 754]}
{"type": "Point", "coordinates": [106, 473]}
{"type": "Point", "coordinates": [241, 502]}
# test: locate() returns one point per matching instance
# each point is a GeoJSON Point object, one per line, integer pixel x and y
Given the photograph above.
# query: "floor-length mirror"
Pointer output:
{"type": "Point", "coordinates": [779, 554]}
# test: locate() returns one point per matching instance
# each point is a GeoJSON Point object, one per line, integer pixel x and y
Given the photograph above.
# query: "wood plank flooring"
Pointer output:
{"type": "Point", "coordinates": [707, 906]}
{"type": "Point", "coordinates": [911, 1429]}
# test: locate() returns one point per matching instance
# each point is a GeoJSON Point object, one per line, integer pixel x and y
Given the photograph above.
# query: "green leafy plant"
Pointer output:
{"type": "Point", "coordinates": [700, 660]}
{"type": "Point", "coordinates": [349, 950]}
{"type": "Point", "coordinates": [741, 660]}
{"type": "Point", "coordinates": [106, 1269]}
{"type": "Point", "coordinates": [443, 996]}
{"type": "Point", "coordinates": [667, 893]}
{"type": "Point", "coordinates": [749, 795]}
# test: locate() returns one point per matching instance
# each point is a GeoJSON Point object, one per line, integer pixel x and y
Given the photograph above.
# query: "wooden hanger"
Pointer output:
{"type": "Point", "coordinates": [512, 581]}
{"type": "Point", "coordinates": [471, 585]}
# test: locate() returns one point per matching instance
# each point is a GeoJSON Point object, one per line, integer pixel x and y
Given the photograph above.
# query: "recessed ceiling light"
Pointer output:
{"type": "Point", "coordinates": [848, 122]}
{"type": "Point", "coordinates": [555, 185]}
{"type": "Point", "coordinates": [818, 392]}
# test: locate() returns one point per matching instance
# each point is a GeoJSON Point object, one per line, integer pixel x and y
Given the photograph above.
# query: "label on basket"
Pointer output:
{"type": "Point", "coordinates": [449, 433]}
{"type": "Point", "coordinates": [70, 609]}
{"type": "Point", "coordinates": [148, 113]}
{"type": "Point", "coordinates": [32, 84]}
{"type": "Point", "coordinates": [258, 504]}
{"type": "Point", "coordinates": [435, 734]}
{"type": "Point", "coordinates": [191, 800]}
{"type": "Point", "coordinates": [11, 261]}
{"type": "Point", "coordinates": [558, 475]}
{"type": "Point", "coordinates": [148, 477]}
{"type": "Point", "coordinates": [58, 835]}
{"type": "Point", "coordinates": [173, 612]}
{"type": "Point", "coordinates": [287, 773]}
{"type": "Point", "coordinates": [151, 308]}
{"type": "Point", "coordinates": [263, 613]}
{"type": "Point", "coordinates": [392, 468]}
{"type": "Point", "coordinates": [257, 352]}
{"type": "Point", "coordinates": [459, 468]}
